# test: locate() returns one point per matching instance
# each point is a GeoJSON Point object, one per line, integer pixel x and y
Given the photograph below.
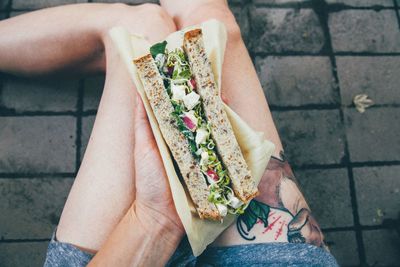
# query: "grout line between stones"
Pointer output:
{"type": "Point", "coordinates": [396, 6]}
{"type": "Point", "coordinates": [322, 11]}
{"type": "Point", "coordinates": [79, 110]}
{"type": "Point", "coordinates": [295, 167]}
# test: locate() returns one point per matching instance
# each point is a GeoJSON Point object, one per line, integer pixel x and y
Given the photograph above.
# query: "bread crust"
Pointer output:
{"type": "Point", "coordinates": [176, 141]}
{"type": "Point", "coordinates": [221, 130]}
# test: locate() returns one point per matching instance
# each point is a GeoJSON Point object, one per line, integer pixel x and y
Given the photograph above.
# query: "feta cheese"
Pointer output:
{"type": "Point", "coordinates": [191, 100]}
{"type": "Point", "coordinates": [223, 210]}
{"type": "Point", "coordinates": [234, 202]}
{"type": "Point", "coordinates": [201, 136]}
{"type": "Point", "coordinates": [178, 92]}
{"type": "Point", "coordinates": [204, 158]}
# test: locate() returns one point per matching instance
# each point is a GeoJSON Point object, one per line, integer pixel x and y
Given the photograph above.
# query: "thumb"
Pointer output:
{"type": "Point", "coordinates": [143, 133]}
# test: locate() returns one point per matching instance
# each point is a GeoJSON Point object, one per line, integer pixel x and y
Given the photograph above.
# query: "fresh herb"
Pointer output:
{"type": "Point", "coordinates": [158, 48]}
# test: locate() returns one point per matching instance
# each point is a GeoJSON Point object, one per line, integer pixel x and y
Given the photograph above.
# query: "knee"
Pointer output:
{"type": "Point", "coordinates": [219, 11]}
{"type": "Point", "coordinates": [149, 20]}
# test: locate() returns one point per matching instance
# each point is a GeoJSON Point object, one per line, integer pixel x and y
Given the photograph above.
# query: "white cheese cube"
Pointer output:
{"type": "Point", "coordinates": [234, 202]}
{"type": "Point", "coordinates": [178, 92]}
{"type": "Point", "coordinates": [201, 136]}
{"type": "Point", "coordinates": [191, 100]}
{"type": "Point", "coordinates": [223, 210]}
{"type": "Point", "coordinates": [204, 158]}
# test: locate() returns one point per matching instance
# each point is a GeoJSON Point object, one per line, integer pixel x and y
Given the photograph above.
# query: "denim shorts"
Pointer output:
{"type": "Point", "coordinates": [61, 254]}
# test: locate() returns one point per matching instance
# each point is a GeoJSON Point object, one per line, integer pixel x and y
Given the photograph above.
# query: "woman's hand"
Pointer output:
{"type": "Point", "coordinates": [154, 205]}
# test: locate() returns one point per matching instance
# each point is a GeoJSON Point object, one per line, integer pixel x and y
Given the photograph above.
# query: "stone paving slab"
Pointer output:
{"type": "Point", "coordinates": [378, 193]}
{"type": "Point", "coordinates": [25, 254]}
{"type": "Point", "coordinates": [373, 135]}
{"type": "Point", "coordinates": [4, 4]}
{"type": "Point", "coordinates": [87, 125]}
{"type": "Point", "coordinates": [328, 194]}
{"type": "Point", "coordinates": [311, 136]}
{"type": "Point", "coordinates": [378, 77]}
{"type": "Point", "coordinates": [28, 95]}
{"type": "Point", "coordinates": [364, 31]}
{"type": "Point", "coordinates": [297, 81]}
{"type": "Point", "coordinates": [362, 3]}
{"type": "Point", "coordinates": [37, 144]}
{"type": "Point", "coordinates": [92, 94]}
{"type": "Point", "coordinates": [337, 241]}
{"type": "Point", "coordinates": [277, 1]}
{"type": "Point", "coordinates": [280, 30]}
{"type": "Point", "coordinates": [382, 247]}
{"type": "Point", "coordinates": [33, 206]}
{"type": "Point", "coordinates": [36, 4]}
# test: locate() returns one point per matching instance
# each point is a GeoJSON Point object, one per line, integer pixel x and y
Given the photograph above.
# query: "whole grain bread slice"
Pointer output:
{"type": "Point", "coordinates": [221, 130]}
{"type": "Point", "coordinates": [176, 141]}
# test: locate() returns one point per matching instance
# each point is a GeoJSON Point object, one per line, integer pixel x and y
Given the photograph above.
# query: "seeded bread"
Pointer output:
{"type": "Point", "coordinates": [221, 129]}
{"type": "Point", "coordinates": [176, 141]}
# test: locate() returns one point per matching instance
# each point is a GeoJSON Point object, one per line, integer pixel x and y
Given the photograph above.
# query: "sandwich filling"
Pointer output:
{"type": "Point", "coordinates": [191, 121]}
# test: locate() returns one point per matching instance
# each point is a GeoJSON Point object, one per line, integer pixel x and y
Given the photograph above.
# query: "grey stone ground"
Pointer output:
{"type": "Point", "coordinates": [312, 58]}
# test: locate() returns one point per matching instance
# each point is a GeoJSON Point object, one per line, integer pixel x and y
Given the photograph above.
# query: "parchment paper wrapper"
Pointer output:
{"type": "Point", "coordinates": [255, 148]}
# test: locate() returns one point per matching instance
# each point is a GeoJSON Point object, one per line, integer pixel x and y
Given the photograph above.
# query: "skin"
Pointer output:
{"type": "Point", "coordinates": [120, 205]}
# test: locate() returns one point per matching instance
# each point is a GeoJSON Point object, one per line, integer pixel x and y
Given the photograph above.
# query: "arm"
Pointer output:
{"type": "Point", "coordinates": [54, 40]}
{"type": "Point", "coordinates": [151, 230]}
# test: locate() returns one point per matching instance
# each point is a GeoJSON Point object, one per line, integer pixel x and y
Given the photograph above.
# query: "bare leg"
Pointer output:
{"type": "Point", "coordinates": [281, 213]}
{"type": "Point", "coordinates": [104, 187]}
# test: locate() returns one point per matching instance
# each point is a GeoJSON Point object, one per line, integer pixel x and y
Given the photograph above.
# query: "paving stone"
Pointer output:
{"type": "Point", "coordinates": [382, 247]}
{"type": "Point", "coordinates": [362, 3]}
{"type": "Point", "coordinates": [242, 19]}
{"type": "Point", "coordinates": [37, 144]}
{"type": "Point", "coordinates": [4, 4]}
{"type": "Point", "coordinates": [374, 134]}
{"type": "Point", "coordinates": [278, 1]}
{"type": "Point", "coordinates": [87, 125]}
{"type": "Point", "coordinates": [378, 77]}
{"type": "Point", "coordinates": [33, 206]}
{"type": "Point", "coordinates": [93, 90]}
{"type": "Point", "coordinates": [365, 31]}
{"type": "Point", "coordinates": [328, 194]}
{"type": "Point", "coordinates": [311, 136]}
{"type": "Point", "coordinates": [26, 254]}
{"type": "Point", "coordinates": [280, 30]}
{"type": "Point", "coordinates": [343, 246]}
{"type": "Point", "coordinates": [29, 95]}
{"type": "Point", "coordinates": [378, 193]}
{"type": "Point", "coordinates": [36, 4]}
{"type": "Point", "coordinates": [297, 81]}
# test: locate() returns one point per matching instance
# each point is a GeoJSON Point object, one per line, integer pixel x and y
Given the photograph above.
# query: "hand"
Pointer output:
{"type": "Point", "coordinates": [154, 203]}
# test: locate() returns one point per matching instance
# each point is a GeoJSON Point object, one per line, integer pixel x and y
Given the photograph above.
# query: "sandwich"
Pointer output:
{"type": "Point", "coordinates": [183, 94]}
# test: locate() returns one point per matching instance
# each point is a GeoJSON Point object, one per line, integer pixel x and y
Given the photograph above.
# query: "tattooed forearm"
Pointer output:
{"type": "Point", "coordinates": [280, 213]}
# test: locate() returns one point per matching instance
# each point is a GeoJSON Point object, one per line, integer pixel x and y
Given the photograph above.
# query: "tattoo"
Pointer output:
{"type": "Point", "coordinates": [280, 212]}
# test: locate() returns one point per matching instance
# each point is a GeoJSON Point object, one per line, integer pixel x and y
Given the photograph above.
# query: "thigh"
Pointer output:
{"type": "Point", "coordinates": [104, 186]}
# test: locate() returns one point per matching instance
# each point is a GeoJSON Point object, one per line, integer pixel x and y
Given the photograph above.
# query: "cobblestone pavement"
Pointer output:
{"type": "Point", "coordinates": [312, 57]}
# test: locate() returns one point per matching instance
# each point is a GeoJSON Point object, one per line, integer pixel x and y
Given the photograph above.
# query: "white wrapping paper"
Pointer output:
{"type": "Point", "coordinates": [255, 148]}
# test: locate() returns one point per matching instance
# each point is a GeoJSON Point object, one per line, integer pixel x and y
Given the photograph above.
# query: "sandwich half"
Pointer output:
{"type": "Point", "coordinates": [183, 95]}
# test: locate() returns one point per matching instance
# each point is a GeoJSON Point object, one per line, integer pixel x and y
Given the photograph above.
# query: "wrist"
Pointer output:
{"type": "Point", "coordinates": [156, 225]}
